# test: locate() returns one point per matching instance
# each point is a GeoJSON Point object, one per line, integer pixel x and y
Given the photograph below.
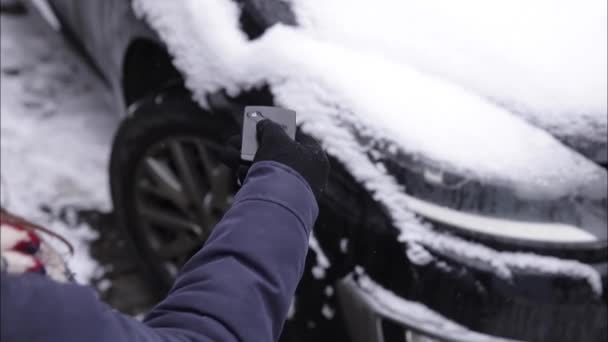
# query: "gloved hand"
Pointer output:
{"type": "Point", "coordinates": [305, 155]}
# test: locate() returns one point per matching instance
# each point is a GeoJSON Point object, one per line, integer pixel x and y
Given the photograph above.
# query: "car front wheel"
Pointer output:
{"type": "Point", "coordinates": [168, 186]}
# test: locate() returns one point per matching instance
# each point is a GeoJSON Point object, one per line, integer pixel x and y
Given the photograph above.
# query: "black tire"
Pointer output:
{"type": "Point", "coordinates": [155, 119]}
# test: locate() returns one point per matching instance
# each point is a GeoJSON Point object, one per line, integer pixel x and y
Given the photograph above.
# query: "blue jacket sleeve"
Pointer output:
{"type": "Point", "coordinates": [238, 287]}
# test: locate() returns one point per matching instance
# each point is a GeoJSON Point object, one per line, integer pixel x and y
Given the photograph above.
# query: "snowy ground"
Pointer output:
{"type": "Point", "coordinates": [57, 123]}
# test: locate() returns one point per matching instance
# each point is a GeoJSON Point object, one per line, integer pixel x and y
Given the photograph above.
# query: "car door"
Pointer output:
{"type": "Point", "coordinates": [103, 29]}
{"type": "Point", "coordinates": [83, 19]}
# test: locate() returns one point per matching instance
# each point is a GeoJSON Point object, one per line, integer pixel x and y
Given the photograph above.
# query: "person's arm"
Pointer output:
{"type": "Point", "coordinates": [238, 287]}
{"type": "Point", "coordinates": [244, 279]}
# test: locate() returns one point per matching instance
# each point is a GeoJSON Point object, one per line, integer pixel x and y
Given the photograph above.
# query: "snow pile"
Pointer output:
{"type": "Point", "coordinates": [334, 86]}
{"type": "Point", "coordinates": [545, 59]}
{"type": "Point", "coordinates": [55, 134]}
{"type": "Point", "coordinates": [423, 114]}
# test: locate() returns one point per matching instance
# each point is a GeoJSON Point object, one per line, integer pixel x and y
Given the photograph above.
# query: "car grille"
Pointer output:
{"type": "Point", "coordinates": [530, 307]}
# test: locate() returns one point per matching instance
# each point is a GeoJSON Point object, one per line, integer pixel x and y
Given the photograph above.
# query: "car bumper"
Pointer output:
{"type": "Point", "coordinates": [370, 311]}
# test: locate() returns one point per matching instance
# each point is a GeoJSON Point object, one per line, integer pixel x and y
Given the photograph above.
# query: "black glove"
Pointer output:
{"type": "Point", "coordinates": [305, 155]}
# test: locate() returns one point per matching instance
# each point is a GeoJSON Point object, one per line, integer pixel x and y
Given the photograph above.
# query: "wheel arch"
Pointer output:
{"type": "Point", "coordinates": [147, 68]}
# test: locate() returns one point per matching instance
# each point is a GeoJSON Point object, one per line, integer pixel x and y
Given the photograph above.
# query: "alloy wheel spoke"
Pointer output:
{"type": "Point", "coordinates": [222, 188]}
{"type": "Point", "coordinates": [167, 183]}
{"type": "Point", "coordinates": [167, 221]}
{"type": "Point", "coordinates": [209, 163]}
{"type": "Point", "coordinates": [218, 177]}
{"type": "Point", "coordinates": [179, 247]}
{"type": "Point", "coordinates": [181, 194]}
{"type": "Point", "coordinates": [193, 183]}
{"type": "Point", "coordinates": [210, 219]}
{"type": "Point", "coordinates": [185, 167]}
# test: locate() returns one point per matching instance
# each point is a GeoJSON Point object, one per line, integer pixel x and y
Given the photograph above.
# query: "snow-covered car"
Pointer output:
{"type": "Point", "coordinates": [468, 192]}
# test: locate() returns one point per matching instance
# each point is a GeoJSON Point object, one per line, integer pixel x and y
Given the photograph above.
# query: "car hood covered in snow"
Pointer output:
{"type": "Point", "coordinates": [544, 61]}
{"type": "Point", "coordinates": [482, 90]}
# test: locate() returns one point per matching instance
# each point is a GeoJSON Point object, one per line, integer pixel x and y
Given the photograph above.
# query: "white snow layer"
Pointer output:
{"type": "Point", "coordinates": [55, 134]}
{"type": "Point", "coordinates": [415, 314]}
{"type": "Point", "coordinates": [543, 59]}
{"type": "Point", "coordinates": [330, 84]}
{"type": "Point", "coordinates": [318, 271]}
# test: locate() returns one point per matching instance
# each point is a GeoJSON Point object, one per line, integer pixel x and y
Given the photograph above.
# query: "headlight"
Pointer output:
{"type": "Point", "coordinates": [505, 211]}
{"type": "Point", "coordinates": [510, 229]}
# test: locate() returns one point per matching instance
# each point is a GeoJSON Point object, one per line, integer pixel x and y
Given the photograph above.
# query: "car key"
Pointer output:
{"type": "Point", "coordinates": [252, 115]}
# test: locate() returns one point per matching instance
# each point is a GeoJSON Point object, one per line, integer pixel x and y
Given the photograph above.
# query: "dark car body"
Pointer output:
{"type": "Point", "coordinates": [134, 62]}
